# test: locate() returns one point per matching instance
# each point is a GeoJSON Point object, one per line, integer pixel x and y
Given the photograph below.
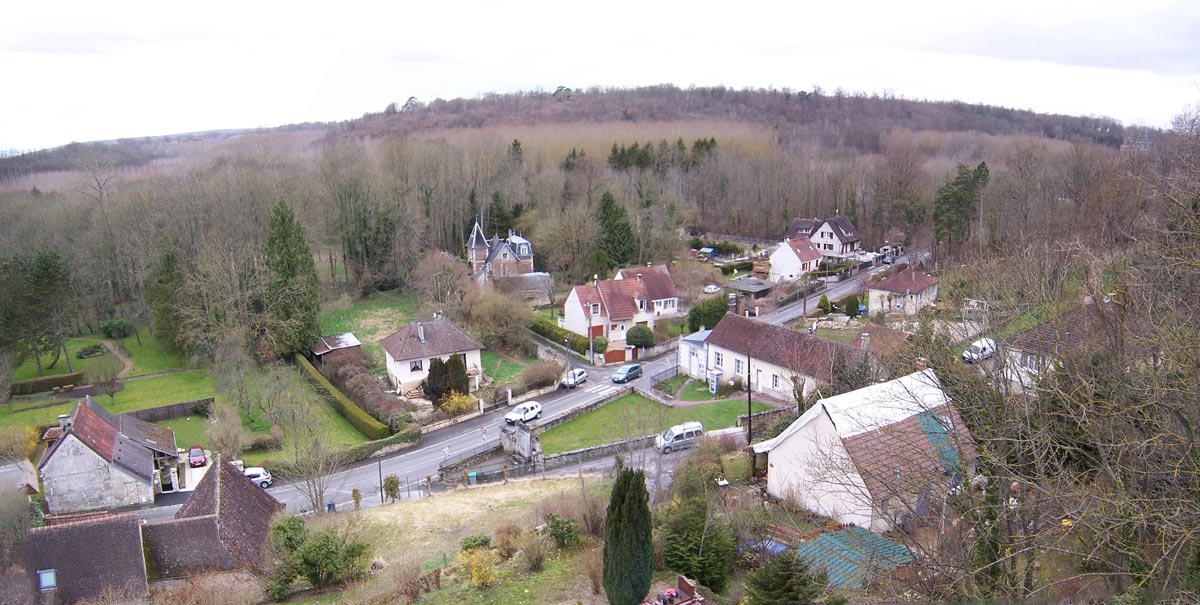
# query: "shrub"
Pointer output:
{"type": "Point", "coordinates": [707, 313]}
{"type": "Point", "coordinates": [457, 404]}
{"type": "Point", "coordinates": [435, 383]}
{"type": "Point", "coordinates": [457, 380]}
{"type": "Point", "coordinates": [593, 565]}
{"type": "Point", "coordinates": [599, 344]}
{"type": "Point", "coordinates": [480, 564]}
{"type": "Point", "coordinates": [850, 304]}
{"type": "Point", "coordinates": [533, 553]}
{"type": "Point", "coordinates": [824, 305]}
{"type": "Point", "coordinates": [90, 351]}
{"type": "Point", "coordinates": [368, 426]}
{"type": "Point", "coordinates": [640, 336]}
{"type": "Point", "coordinates": [508, 540]}
{"type": "Point", "coordinates": [117, 328]}
{"type": "Point", "coordinates": [45, 383]}
{"type": "Point", "coordinates": [564, 530]}
{"type": "Point", "coordinates": [270, 442]}
{"type": "Point", "coordinates": [541, 374]}
{"type": "Point", "coordinates": [476, 541]}
{"type": "Point", "coordinates": [391, 487]}
{"type": "Point", "coordinates": [580, 344]}
{"type": "Point", "coordinates": [326, 558]}
{"type": "Point", "coordinates": [357, 496]}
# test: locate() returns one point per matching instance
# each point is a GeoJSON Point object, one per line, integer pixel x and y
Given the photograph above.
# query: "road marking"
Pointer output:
{"type": "Point", "coordinates": [602, 389]}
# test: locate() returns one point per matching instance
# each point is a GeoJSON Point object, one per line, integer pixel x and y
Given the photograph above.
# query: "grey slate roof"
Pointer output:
{"type": "Point", "coordinates": [88, 556]}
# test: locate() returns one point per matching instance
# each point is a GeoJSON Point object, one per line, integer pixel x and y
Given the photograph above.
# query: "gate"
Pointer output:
{"type": "Point", "coordinates": [614, 356]}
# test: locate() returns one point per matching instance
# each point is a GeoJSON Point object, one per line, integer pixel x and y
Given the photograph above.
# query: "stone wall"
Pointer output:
{"type": "Point", "coordinates": [77, 479]}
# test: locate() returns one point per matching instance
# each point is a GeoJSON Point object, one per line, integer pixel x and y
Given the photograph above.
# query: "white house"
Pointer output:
{"type": "Point", "coordinates": [904, 293]}
{"type": "Point", "coordinates": [794, 258]}
{"type": "Point", "coordinates": [410, 350]}
{"type": "Point", "coordinates": [692, 357]}
{"type": "Point", "coordinates": [101, 460]}
{"type": "Point", "coordinates": [874, 457]}
{"type": "Point", "coordinates": [836, 238]}
{"type": "Point", "coordinates": [1029, 355]}
{"type": "Point", "coordinates": [610, 307]}
{"type": "Point", "coordinates": [769, 358]}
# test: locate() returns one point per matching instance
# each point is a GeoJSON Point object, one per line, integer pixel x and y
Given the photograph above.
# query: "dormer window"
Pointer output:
{"type": "Point", "coordinates": [595, 308]}
{"type": "Point", "coordinates": [641, 305]}
{"type": "Point", "coordinates": [504, 255]}
{"type": "Point", "coordinates": [47, 579]}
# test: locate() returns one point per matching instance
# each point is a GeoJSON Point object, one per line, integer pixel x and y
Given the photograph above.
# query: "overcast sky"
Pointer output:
{"type": "Point", "coordinates": [82, 71]}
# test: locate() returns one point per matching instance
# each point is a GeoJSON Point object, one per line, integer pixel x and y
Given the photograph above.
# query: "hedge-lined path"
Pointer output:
{"type": "Point", "coordinates": [126, 363]}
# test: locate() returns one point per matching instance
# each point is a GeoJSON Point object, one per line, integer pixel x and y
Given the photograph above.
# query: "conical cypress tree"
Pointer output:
{"type": "Point", "coordinates": [628, 546]}
{"type": "Point", "coordinates": [435, 382]}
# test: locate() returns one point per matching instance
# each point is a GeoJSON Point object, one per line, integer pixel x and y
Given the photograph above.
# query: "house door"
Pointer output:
{"type": "Point", "coordinates": [633, 352]}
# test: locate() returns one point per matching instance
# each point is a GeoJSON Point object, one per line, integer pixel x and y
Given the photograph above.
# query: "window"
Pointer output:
{"type": "Point", "coordinates": [416, 366]}
{"type": "Point", "coordinates": [718, 360]}
{"type": "Point", "coordinates": [641, 305]}
{"type": "Point", "coordinates": [47, 579]}
{"type": "Point", "coordinates": [504, 255]}
{"type": "Point", "coordinates": [775, 381]}
{"type": "Point", "coordinates": [737, 366]}
{"type": "Point", "coordinates": [595, 308]}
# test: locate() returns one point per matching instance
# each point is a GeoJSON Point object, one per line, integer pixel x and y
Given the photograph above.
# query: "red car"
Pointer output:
{"type": "Point", "coordinates": [196, 456]}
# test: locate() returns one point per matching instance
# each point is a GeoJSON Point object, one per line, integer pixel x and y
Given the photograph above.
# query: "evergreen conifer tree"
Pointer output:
{"type": "Point", "coordinates": [628, 547]}
{"type": "Point", "coordinates": [293, 294]}
{"type": "Point", "coordinates": [616, 234]}
{"type": "Point", "coordinates": [165, 285]}
{"type": "Point", "coordinates": [435, 381]}
{"type": "Point", "coordinates": [456, 375]}
{"type": "Point", "coordinates": [785, 580]}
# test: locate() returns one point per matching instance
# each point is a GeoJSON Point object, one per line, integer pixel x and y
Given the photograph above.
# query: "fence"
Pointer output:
{"type": "Point", "coordinates": [670, 372]}
{"type": "Point", "coordinates": [463, 459]}
{"type": "Point", "coordinates": [173, 411]}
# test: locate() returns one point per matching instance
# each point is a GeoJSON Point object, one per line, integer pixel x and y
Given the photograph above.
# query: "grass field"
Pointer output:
{"type": "Point", "coordinates": [371, 319]}
{"type": "Point", "coordinates": [842, 336]}
{"type": "Point", "coordinates": [149, 357]}
{"type": "Point", "coordinates": [697, 390]}
{"type": "Point", "coordinates": [635, 416]}
{"type": "Point", "coordinates": [138, 395]}
{"type": "Point", "coordinates": [671, 385]}
{"type": "Point", "coordinates": [499, 368]}
{"type": "Point", "coordinates": [28, 369]}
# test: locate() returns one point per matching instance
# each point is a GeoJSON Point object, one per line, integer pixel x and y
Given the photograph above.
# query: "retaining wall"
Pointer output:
{"type": "Point", "coordinates": [579, 411]}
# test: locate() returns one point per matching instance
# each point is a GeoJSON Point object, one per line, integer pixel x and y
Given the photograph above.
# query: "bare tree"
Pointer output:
{"type": "Point", "coordinates": [315, 473]}
{"type": "Point", "coordinates": [225, 431]}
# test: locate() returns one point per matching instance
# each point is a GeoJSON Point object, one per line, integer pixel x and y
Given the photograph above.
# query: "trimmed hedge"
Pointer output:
{"type": "Point", "coordinates": [45, 383]}
{"type": "Point", "coordinates": [359, 418]}
{"type": "Point", "coordinates": [543, 327]}
{"type": "Point", "coordinates": [738, 266]}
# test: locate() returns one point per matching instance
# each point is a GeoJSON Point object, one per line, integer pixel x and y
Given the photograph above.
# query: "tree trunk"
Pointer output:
{"type": "Point", "coordinates": [67, 356]}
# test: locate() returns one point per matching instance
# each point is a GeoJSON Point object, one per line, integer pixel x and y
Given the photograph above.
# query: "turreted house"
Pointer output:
{"type": "Point", "coordinates": [498, 257]}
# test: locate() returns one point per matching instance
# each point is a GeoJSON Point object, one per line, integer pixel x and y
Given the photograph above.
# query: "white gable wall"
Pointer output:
{"type": "Point", "coordinates": [762, 377]}
{"type": "Point", "coordinates": [77, 479]}
{"type": "Point", "coordinates": [404, 378]}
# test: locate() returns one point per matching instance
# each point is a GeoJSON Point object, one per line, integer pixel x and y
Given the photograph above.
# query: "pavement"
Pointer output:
{"type": "Point", "coordinates": [413, 466]}
{"type": "Point", "coordinates": [789, 313]}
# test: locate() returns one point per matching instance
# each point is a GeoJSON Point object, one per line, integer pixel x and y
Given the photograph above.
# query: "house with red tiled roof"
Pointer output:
{"type": "Point", "coordinates": [222, 528]}
{"type": "Point", "coordinates": [410, 349]}
{"type": "Point", "coordinates": [794, 258]}
{"type": "Point", "coordinates": [637, 296]}
{"type": "Point", "coordinates": [905, 293]}
{"type": "Point", "coordinates": [768, 358]}
{"type": "Point", "coordinates": [102, 460]}
{"type": "Point", "coordinates": [877, 457]}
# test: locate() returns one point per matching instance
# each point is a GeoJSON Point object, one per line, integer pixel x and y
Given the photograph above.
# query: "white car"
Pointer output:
{"type": "Point", "coordinates": [712, 289]}
{"type": "Point", "coordinates": [979, 350]}
{"type": "Point", "coordinates": [573, 377]}
{"type": "Point", "coordinates": [259, 475]}
{"type": "Point", "coordinates": [524, 413]}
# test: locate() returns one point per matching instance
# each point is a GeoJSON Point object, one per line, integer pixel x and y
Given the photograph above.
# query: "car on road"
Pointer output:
{"type": "Point", "coordinates": [979, 350]}
{"type": "Point", "coordinates": [524, 413]}
{"type": "Point", "coordinates": [627, 372]}
{"type": "Point", "coordinates": [679, 437]}
{"type": "Point", "coordinates": [573, 377]}
{"type": "Point", "coordinates": [887, 260]}
{"type": "Point", "coordinates": [259, 475]}
{"type": "Point", "coordinates": [712, 289]}
{"type": "Point", "coordinates": [196, 456]}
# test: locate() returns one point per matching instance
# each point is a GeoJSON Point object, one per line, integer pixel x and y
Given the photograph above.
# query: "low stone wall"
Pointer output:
{"type": "Point", "coordinates": [653, 395]}
{"type": "Point", "coordinates": [765, 419]}
{"type": "Point", "coordinates": [579, 411]}
{"type": "Point", "coordinates": [459, 466]}
{"type": "Point", "coordinates": [598, 451]}
{"type": "Point", "coordinates": [659, 349]}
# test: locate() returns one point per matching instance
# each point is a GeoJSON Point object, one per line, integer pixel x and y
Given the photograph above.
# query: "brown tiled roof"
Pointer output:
{"type": "Point", "coordinates": [185, 547]}
{"type": "Point", "coordinates": [905, 282]}
{"type": "Point", "coordinates": [1070, 331]}
{"type": "Point", "coordinates": [803, 247]}
{"type": "Point", "coordinates": [901, 460]}
{"type": "Point", "coordinates": [441, 338]}
{"type": "Point", "coordinates": [878, 339]}
{"type": "Point", "coordinates": [241, 511]}
{"type": "Point", "coordinates": [778, 345]}
{"type": "Point", "coordinates": [618, 297]}
{"type": "Point", "coordinates": [88, 557]}
{"type": "Point", "coordinates": [326, 344]}
{"type": "Point", "coordinates": [802, 226]}
{"type": "Point", "coordinates": [844, 229]}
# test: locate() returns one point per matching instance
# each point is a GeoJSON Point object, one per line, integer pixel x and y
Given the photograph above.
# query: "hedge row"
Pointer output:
{"type": "Point", "coordinates": [45, 383]}
{"type": "Point", "coordinates": [543, 327]}
{"type": "Point", "coordinates": [738, 266]}
{"type": "Point", "coordinates": [367, 425]}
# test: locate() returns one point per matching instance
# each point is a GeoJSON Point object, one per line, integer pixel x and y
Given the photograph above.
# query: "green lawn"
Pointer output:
{"type": "Point", "coordinates": [697, 390]}
{"type": "Point", "coordinates": [842, 336]}
{"type": "Point", "coordinates": [635, 416]}
{"type": "Point", "coordinates": [149, 357]}
{"type": "Point", "coordinates": [499, 368]}
{"type": "Point", "coordinates": [138, 395]}
{"type": "Point", "coordinates": [671, 385]}
{"type": "Point", "coordinates": [28, 369]}
{"type": "Point", "coordinates": [371, 319]}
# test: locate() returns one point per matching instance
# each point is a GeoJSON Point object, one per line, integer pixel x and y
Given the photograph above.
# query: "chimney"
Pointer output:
{"type": "Point", "coordinates": [595, 279]}
{"type": "Point", "coordinates": [639, 277]}
{"type": "Point", "coordinates": [701, 327]}
{"type": "Point", "coordinates": [865, 338]}
{"type": "Point", "coordinates": [64, 421]}
{"type": "Point", "coordinates": [421, 332]}
{"type": "Point", "coordinates": [921, 365]}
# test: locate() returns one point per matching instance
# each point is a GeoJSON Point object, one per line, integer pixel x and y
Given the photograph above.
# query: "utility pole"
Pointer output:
{"type": "Point", "coordinates": [749, 407]}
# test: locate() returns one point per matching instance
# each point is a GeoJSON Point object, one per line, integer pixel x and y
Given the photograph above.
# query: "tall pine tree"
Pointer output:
{"type": "Point", "coordinates": [293, 294]}
{"type": "Point", "coordinates": [628, 546]}
{"type": "Point", "coordinates": [165, 286]}
{"type": "Point", "coordinates": [785, 580]}
{"type": "Point", "coordinates": [953, 203]}
{"type": "Point", "coordinates": [456, 376]}
{"type": "Point", "coordinates": [435, 382]}
{"type": "Point", "coordinates": [616, 235]}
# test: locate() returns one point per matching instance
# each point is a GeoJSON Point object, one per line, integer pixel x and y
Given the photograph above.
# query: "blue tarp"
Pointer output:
{"type": "Point", "coordinates": [851, 557]}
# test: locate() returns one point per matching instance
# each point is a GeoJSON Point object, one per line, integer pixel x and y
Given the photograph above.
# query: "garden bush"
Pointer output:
{"type": "Point", "coordinates": [640, 336]}
{"type": "Point", "coordinates": [476, 541]}
{"type": "Point", "coordinates": [270, 442]}
{"type": "Point", "coordinates": [45, 383]}
{"type": "Point", "coordinates": [118, 328]}
{"type": "Point", "coordinates": [564, 530]}
{"type": "Point", "coordinates": [90, 351]}
{"type": "Point", "coordinates": [541, 374]}
{"type": "Point", "coordinates": [508, 540]}
{"type": "Point", "coordinates": [533, 553]}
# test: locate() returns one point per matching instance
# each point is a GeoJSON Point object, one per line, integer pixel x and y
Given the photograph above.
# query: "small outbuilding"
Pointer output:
{"type": "Point", "coordinates": [339, 349]}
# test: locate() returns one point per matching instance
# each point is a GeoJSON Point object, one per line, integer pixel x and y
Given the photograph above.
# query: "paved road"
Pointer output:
{"type": "Point", "coordinates": [788, 314]}
{"type": "Point", "coordinates": [412, 466]}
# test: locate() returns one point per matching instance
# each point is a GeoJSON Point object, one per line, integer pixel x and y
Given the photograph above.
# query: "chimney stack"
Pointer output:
{"type": "Point", "coordinates": [639, 277]}
{"type": "Point", "coordinates": [921, 365]}
{"type": "Point", "coordinates": [865, 338]}
{"type": "Point", "coordinates": [64, 421]}
{"type": "Point", "coordinates": [421, 332]}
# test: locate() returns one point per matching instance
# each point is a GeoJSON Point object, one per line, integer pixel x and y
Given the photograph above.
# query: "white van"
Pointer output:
{"type": "Point", "coordinates": [679, 437]}
{"type": "Point", "coordinates": [979, 350]}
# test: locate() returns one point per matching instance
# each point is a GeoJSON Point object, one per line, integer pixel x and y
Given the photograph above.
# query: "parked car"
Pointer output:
{"type": "Point", "coordinates": [627, 372]}
{"type": "Point", "coordinates": [679, 437]}
{"type": "Point", "coordinates": [887, 260]}
{"type": "Point", "coordinates": [196, 456]}
{"type": "Point", "coordinates": [259, 475]}
{"type": "Point", "coordinates": [979, 350]}
{"type": "Point", "coordinates": [573, 377]}
{"type": "Point", "coordinates": [712, 289]}
{"type": "Point", "coordinates": [524, 413]}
